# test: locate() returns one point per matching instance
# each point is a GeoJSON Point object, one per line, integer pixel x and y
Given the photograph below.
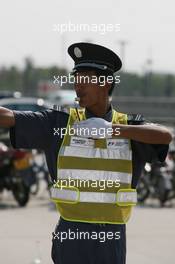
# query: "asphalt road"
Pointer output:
{"type": "Point", "coordinates": [25, 233]}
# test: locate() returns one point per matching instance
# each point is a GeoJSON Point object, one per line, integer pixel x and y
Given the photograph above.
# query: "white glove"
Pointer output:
{"type": "Point", "coordinates": [94, 128]}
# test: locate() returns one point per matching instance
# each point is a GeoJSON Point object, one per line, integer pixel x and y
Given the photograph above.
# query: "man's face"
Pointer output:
{"type": "Point", "coordinates": [88, 88]}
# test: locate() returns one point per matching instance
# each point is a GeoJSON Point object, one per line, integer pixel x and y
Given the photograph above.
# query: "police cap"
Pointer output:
{"type": "Point", "coordinates": [88, 55]}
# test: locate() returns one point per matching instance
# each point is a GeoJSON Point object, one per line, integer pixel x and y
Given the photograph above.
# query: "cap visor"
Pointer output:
{"type": "Point", "coordinates": [90, 65]}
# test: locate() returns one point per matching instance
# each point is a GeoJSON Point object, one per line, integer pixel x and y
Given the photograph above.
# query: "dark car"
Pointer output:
{"type": "Point", "coordinates": [25, 104]}
{"type": "Point", "coordinates": [9, 94]}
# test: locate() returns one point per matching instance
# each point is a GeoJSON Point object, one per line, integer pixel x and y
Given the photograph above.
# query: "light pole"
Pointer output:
{"type": "Point", "coordinates": [123, 44]}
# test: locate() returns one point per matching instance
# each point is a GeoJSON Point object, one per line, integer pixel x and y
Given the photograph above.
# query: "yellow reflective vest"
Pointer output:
{"type": "Point", "coordinates": [94, 176]}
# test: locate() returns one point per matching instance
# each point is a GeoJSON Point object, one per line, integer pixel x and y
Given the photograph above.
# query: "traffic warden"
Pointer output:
{"type": "Point", "coordinates": [117, 155]}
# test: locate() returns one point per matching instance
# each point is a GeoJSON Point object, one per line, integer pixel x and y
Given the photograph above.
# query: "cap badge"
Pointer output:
{"type": "Point", "coordinates": [77, 52]}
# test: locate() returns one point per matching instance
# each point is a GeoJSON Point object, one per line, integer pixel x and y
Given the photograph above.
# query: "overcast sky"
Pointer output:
{"type": "Point", "coordinates": [148, 27]}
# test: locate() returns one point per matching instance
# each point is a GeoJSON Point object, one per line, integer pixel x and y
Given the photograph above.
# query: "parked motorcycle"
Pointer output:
{"type": "Point", "coordinates": [40, 171]}
{"type": "Point", "coordinates": [156, 181]}
{"type": "Point", "coordinates": [15, 173]}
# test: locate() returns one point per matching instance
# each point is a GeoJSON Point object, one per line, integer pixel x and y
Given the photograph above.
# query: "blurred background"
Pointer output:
{"type": "Point", "coordinates": [35, 36]}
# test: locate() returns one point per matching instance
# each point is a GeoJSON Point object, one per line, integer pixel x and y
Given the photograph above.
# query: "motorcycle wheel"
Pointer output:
{"type": "Point", "coordinates": [21, 194]}
{"type": "Point", "coordinates": [34, 189]}
{"type": "Point", "coordinates": [142, 190]}
{"type": "Point", "coordinates": [162, 192]}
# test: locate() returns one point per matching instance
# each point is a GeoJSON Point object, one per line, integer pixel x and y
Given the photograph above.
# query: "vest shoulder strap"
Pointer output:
{"type": "Point", "coordinates": [77, 114]}
{"type": "Point", "coordinates": [119, 118]}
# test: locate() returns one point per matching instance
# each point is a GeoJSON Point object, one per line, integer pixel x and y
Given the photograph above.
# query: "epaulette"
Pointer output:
{"type": "Point", "coordinates": [135, 119]}
{"type": "Point", "coordinates": [61, 108]}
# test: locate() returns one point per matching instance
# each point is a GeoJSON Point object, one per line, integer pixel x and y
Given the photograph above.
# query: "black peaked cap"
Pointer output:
{"type": "Point", "coordinates": [88, 55]}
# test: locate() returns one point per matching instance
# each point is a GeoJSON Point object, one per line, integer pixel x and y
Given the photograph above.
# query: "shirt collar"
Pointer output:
{"type": "Point", "coordinates": [107, 116]}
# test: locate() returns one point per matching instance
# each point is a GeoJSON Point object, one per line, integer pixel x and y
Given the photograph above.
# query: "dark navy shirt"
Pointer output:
{"type": "Point", "coordinates": [35, 130]}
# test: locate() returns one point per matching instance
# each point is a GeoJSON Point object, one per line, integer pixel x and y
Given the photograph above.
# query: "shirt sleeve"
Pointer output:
{"type": "Point", "coordinates": [150, 152]}
{"type": "Point", "coordinates": [32, 130]}
{"type": "Point", "coordinates": [147, 152]}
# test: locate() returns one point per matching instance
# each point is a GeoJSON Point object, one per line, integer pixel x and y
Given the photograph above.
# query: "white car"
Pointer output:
{"type": "Point", "coordinates": [62, 97]}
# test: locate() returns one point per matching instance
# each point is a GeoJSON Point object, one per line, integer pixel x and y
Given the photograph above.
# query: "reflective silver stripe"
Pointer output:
{"type": "Point", "coordinates": [88, 152]}
{"type": "Point", "coordinates": [64, 194]}
{"type": "Point", "coordinates": [94, 197]}
{"type": "Point", "coordinates": [94, 175]}
{"type": "Point", "coordinates": [127, 197]}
